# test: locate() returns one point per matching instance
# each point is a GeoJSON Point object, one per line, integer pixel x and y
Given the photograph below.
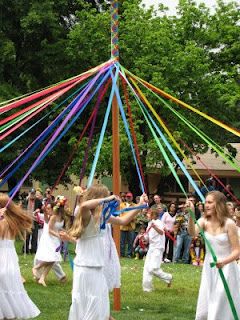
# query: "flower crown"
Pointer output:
{"type": "Point", "coordinates": [60, 202]}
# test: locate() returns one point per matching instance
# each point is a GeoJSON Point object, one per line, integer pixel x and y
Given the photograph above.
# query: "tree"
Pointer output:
{"type": "Point", "coordinates": [193, 56]}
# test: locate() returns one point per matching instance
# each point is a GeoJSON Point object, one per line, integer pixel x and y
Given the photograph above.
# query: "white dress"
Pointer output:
{"type": "Point", "coordinates": [212, 301]}
{"type": "Point", "coordinates": [112, 268]}
{"type": "Point", "coordinates": [90, 300]}
{"type": "Point", "coordinates": [48, 244]}
{"type": "Point", "coordinates": [14, 300]}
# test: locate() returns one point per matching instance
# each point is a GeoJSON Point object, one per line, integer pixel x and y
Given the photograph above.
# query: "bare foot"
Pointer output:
{"type": "Point", "coordinates": [35, 273]}
{"type": "Point", "coordinates": [63, 279]}
{"type": "Point", "coordinates": [111, 318]}
{"type": "Point", "coordinates": [170, 283]}
{"type": "Point", "coordinates": [42, 282]}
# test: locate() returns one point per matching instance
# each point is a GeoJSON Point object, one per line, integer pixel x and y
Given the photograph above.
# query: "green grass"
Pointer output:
{"type": "Point", "coordinates": [175, 303]}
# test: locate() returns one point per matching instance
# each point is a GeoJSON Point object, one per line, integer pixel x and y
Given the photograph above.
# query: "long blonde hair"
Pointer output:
{"type": "Point", "coordinates": [96, 191]}
{"type": "Point", "coordinates": [18, 220]}
{"type": "Point", "coordinates": [221, 209]}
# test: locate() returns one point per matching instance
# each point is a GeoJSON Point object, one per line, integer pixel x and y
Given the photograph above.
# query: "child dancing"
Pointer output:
{"type": "Point", "coordinates": [90, 296]}
{"type": "Point", "coordinates": [156, 239]}
{"type": "Point", "coordinates": [15, 302]}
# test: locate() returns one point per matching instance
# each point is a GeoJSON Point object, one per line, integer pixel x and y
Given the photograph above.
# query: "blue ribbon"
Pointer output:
{"type": "Point", "coordinates": [104, 125]}
{"type": "Point", "coordinates": [128, 135]}
{"type": "Point", "coordinates": [110, 209]}
{"type": "Point", "coordinates": [64, 131]}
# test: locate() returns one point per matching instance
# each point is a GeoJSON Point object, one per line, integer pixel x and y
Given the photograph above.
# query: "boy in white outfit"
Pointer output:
{"type": "Point", "coordinates": [156, 237]}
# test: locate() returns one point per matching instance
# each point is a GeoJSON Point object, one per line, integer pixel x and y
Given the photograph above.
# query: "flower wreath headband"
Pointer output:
{"type": "Point", "coordinates": [60, 202]}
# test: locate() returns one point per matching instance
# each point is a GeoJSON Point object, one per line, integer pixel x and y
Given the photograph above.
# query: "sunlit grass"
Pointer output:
{"type": "Point", "coordinates": [177, 302]}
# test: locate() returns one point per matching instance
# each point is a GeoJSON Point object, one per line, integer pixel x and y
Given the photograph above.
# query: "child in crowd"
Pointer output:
{"type": "Point", "coordinates": [197, 251]}
{"type": "Point", "coordinates": [14, 302]}
{"type": "Point", "coordinates": [90, 298]}
{"type": "Point", "coordinates": [140, 244]}
{"type": "Point", "coordinates": [156, 239]}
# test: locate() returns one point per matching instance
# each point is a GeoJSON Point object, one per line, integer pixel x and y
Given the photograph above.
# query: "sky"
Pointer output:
{"type": "Point", "coordinates": [171, 4]}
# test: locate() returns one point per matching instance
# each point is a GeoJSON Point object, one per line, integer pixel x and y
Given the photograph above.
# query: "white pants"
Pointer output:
{"type": "Point", "coordinates": [56, 268]}
{"type": "Point", "coordinates": [152, 268]}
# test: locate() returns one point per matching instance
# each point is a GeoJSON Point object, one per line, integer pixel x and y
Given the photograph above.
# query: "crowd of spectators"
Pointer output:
{"type": "Point", "coordinates": [180, 247]}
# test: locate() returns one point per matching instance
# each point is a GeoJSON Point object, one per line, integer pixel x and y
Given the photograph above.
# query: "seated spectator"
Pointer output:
{"type": "Point", "coordinates": [197, 251]}
{"type": "Point", "coordinates": [140, 245]}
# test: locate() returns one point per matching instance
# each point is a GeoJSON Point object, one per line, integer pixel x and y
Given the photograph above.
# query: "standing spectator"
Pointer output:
{"type": "Point", "coordinates": [200, 207]}
{"type": "Point", "coordinates": [231, 209]}
{"type": "Point", "coordinates": [33, 204]}
{"type": "Point", "coordinates": [183, 237]}
{"type": "Point", "coordinates": [49, 198]}
{"type": "Point", "coordinates": [193, 199]}
{"type": "Point", "coordinates": [127, 232]}
{"type": "Point", "coordinates": [227, 194]}
{"type": "Point", "coordinates": [168, 220]}
{"type": "Point", "coordinates": [210, 185]}
{"type": "Point", "coordinates": [123, 196]}
{"type": "Point", "coordinates": [159, 206]}
{"type": "Point", "coordinates": [152, 265]}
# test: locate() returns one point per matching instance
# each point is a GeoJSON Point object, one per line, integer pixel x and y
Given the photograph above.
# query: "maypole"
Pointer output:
{"type": "Point", "coordinates": [115, 139]}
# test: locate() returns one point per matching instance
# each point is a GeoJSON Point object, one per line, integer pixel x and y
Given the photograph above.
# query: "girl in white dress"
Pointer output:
{"type": "Point", "coordinates": [14, 300]}
{"type": "Point", "coordinates": [90, 298]}
{"type": "Point", "coordinates": [47, 252]}
{"type": "Point", "coordinates": [56, 268]}
{"type": "Point", "coordinates": [221, 232]}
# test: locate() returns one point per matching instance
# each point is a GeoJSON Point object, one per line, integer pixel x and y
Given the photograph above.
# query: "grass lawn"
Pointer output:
{"type": "Point", "coordinates": [175, 303]}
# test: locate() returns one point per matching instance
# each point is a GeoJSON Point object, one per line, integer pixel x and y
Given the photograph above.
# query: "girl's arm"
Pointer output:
{"type": "Point", "coordinates": [51, 225]}
{"type": "Point", "coordinates": [66, 237]}
{"type": "Point", "coordinates": [155, 227]}
{"type": "Point", "coordinates": [128, 216]}
{"type": "Point", "coordinates": [87, 206]}
{"type": "Point", "coordinates": [193, 228]}
{"type": "Point", "coordinates": [46, 218]}
{"type": "Point", "coordinates": [234, 241]}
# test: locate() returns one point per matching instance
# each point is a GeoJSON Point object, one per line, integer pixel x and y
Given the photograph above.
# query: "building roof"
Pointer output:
{"type": "Point", "coordinates": [215, 163]}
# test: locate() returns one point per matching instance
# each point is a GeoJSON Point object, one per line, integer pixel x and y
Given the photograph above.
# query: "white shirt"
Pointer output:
{"type": "Point", "coordinates": [156, 240]}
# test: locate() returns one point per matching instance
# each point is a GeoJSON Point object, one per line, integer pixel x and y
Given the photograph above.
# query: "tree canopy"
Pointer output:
{"type": "Point", "coordinates": [195, 56]}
